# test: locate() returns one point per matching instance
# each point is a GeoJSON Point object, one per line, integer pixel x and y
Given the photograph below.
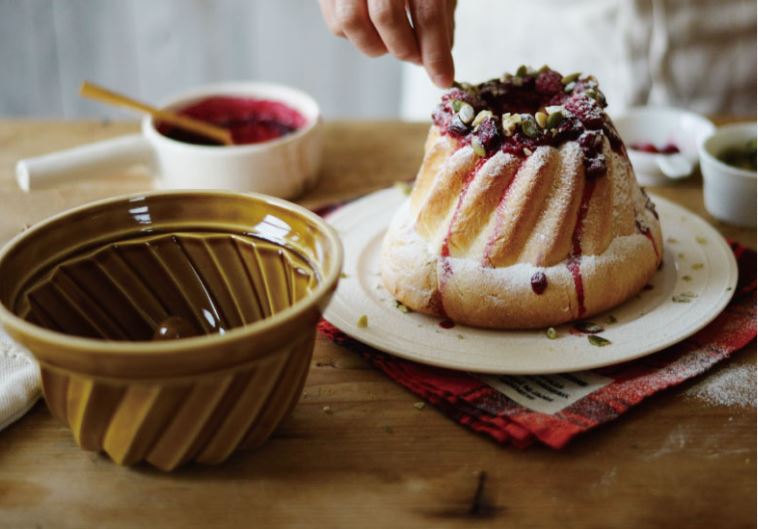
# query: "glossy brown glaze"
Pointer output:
{"type": "Point", "coordinates": [89, 290]}
{"type": "Point", "coordinates": [211, 282]}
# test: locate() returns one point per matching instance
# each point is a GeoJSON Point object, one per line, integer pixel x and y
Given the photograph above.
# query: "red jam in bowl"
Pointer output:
{"type": "Point", "coordinates": [250, 120]}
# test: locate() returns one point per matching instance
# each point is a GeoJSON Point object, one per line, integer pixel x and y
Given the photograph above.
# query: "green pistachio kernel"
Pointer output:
{"type": "Point", "coordinates": [529, 127]}
{"type": "Point", "coordinates": [541, 119]}
{"type": "Point", "coordinates": [551, 333]}
{"type": "Point", "coordinates": [510, 122]}
{"type": "Point", "coordinates": [570, 78]}
{"type": "Point", "coordinates": [522, 71]}
{"type": "Point", "coordinates": [481, 116]}
{"type": "Point", "coordinates": [554, 119]}
{"type": "Point", "coordinates": [457, 105]}
{"type": "Point", "coordinates": [598, 341]}
{"type": "Point", "coordinates": [476, 144]}
{"type": "Point", "coordinates": [569, 87]}
{"type": "Point", "coordinates": [466, 113]}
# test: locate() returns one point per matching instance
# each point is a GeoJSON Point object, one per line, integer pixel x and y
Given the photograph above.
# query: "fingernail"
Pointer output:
{"type": "Point", "coordinates": [441, 80]}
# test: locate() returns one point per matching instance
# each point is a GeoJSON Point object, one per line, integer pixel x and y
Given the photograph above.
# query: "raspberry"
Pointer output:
{"type": "Point", "coordinates": [488, 134]}
{"type": "Point", "coordinates": [586, 109]}
{"type": "Point", "coordinates": [549, 83]}
{"type": "Point", "coordinates": [539, 282]}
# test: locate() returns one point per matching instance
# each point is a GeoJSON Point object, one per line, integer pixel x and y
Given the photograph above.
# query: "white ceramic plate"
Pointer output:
{"type": "Point", "coordinates": [697, 262]}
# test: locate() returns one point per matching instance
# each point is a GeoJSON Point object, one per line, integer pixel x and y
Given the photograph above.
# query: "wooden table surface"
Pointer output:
{"type": "Point", "coordinates": [674, 461]}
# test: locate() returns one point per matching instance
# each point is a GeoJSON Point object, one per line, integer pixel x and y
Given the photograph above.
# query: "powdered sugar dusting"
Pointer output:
{"type": "Point", "coordinates": [733, 386]}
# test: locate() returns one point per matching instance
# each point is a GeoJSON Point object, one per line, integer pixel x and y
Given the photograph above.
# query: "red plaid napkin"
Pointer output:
{"type": "Point", "coordinates": [478, 405]}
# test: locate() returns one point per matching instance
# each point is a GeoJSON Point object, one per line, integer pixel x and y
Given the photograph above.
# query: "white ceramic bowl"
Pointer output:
{"type": "Point", "coordinates": [729, 192]}
{"type": "Point", "coordinates": [284, 167]}
{"type": "Point", "coordinates": [661, 126]}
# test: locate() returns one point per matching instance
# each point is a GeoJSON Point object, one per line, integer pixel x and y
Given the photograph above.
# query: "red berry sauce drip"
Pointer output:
{"type": "Point", "coordinates": [582, 118]}
{"type": "Point", "coordinates": [539, 282]}
{"type": "Point", "coordinates": [447, 323]}
{"type": "Point", "coordinates": [249, 120]}
{"type": "Point", "coordinates": [447, 269]}
{"type": "Point", "coordinates": [645, 230]}
{"type": "Point", "coordinates": [575, 259]}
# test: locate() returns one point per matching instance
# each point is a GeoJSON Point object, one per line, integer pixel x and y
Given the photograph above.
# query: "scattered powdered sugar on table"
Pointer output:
{"type": "Point", "coordinates": [733, 386]}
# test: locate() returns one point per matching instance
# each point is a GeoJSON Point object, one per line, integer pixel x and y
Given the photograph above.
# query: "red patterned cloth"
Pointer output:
{"type": "Point", "coordinates": [482, 408]}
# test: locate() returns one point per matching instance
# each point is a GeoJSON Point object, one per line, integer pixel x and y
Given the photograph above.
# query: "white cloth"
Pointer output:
{"type": "Point", "coordinates": [20, 384]}
{"type": "Point", "coordinates": [695, 54]}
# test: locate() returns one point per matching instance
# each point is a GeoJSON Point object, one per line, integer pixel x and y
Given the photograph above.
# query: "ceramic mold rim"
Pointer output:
{"type": "Point", "coordinates": [105, 347]}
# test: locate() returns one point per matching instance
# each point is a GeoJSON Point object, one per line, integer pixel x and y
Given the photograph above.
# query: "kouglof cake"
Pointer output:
{"type": "Point", "coordinates": [525, 212]}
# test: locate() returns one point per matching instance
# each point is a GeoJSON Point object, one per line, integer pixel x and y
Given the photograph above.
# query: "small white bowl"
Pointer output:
{"type": "Point", "coordinates": [729, 192]}
{"type": "Point", "coordinates": [284, 167]}
{"type": "Point", "coordinates": [661, 126]}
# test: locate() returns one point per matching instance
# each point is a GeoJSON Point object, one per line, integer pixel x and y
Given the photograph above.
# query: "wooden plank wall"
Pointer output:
{"type": "Point", "coordinates": [153, 48]}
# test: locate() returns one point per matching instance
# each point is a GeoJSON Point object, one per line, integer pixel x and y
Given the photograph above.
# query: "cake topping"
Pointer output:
{"type": "Point", "coordinates": [518, 113]}
{"type": "Point", "coordinates": [539, 282]}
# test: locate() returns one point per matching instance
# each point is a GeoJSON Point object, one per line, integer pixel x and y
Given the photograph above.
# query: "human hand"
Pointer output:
{"type": "Point", "coordinates": [417, 31]}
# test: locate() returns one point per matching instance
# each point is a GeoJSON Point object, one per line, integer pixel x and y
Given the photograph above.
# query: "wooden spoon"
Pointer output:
{"type": "Point", "coordinates": [98, 93]}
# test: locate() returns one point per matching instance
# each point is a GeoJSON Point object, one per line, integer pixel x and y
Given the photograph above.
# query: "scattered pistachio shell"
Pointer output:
{"type": "Point", "coordinates": [457, 105]}
{"type": "Point", "coordinates": [343, 275]}
{"type": "Point", "coordinates": [466, 113]}
{"type": "Point", "coordinates": [522, 71]}
{"type": "Point", "coordinates": [404, 187]}
{"type": "Point", "coordinates": [701, 240]}
{"type": "Point", "coordinates": [697, 266]}
{"type": "Point", "coordinates": [476, 144]}
{"type": "Point", "coordinates": [460, 336]}
{"type": "Point", "coordinates": [510, 122]}
{"type": "Point", "coordinates": [327, 410]}
{"type": "Point", "coordinates": [481, 116]}
{"type": "Point", "coordinates": [529, 127]}
{"type": "Point", "coordinates": [419, 405]}
{"type": "Point", "coordinates": [684, 297]}
{"type": "Point", "coordinates": [569, 87]}
{"type": "Point", "coordinates": [671, 240]}
{"type": "Point", "coordinates": [686, 278]}
{"type": "Point", "coordinates": [551, 333]}
{"type": "Point", "coordinates": [554, 119]}
{"type": "Point", "coordinates": [363, 321]}
{"type": "Point", "coordinates": [588, 326]}
{"type": "Point", "coordinates": [570, 78]}
{"type": "Point", "coordinates": [681, 255]}
{"type": "Point", "coordinates": [598, 341]}
{"type": "Point", "coordinates": [541, 119]}
{"type": "Point", "coordinates": [729, 289]}
{"type": "Point", "coordinates": [402, 308]}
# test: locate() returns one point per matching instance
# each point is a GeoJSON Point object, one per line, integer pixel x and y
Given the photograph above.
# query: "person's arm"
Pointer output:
{"type": "Point", "coordinates": [417, 31]}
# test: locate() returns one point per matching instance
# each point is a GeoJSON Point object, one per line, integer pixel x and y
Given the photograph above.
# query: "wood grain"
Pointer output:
{"type": "Point", "coordinates": [376, 460]}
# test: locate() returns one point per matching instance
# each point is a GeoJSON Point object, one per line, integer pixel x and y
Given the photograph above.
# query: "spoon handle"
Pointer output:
{"type": "Point", "coordinates": [98, 93]}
